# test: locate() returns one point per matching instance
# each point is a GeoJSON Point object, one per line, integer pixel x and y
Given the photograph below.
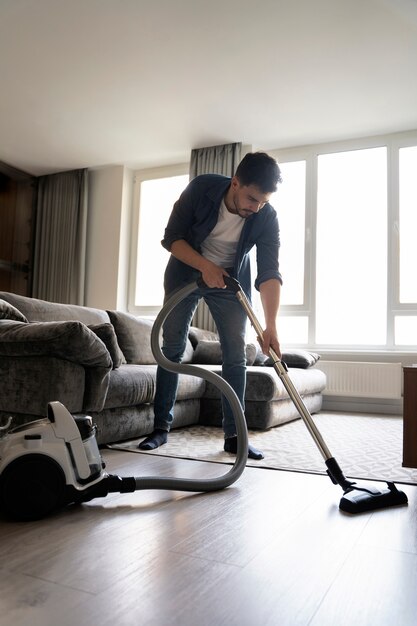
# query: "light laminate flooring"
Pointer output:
{"type": "Point", "coordinates": [272, 549]}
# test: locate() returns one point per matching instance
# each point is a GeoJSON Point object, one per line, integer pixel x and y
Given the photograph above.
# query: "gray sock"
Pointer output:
{"type": "Point", "coordinates": [230, 445]}
{"type": "Point", "coordinates": [154, 440]}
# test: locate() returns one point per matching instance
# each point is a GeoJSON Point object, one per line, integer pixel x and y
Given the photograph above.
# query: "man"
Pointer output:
{"type": "Point", "coordinates": [212, 228]}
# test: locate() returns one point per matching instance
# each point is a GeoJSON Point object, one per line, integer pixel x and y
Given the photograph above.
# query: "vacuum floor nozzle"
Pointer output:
{"type": "Point", "coordinates": [359, 499]}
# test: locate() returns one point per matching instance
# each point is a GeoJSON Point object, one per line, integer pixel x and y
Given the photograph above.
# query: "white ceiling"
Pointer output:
{"type": "Point", "coordinates": [88, 83]}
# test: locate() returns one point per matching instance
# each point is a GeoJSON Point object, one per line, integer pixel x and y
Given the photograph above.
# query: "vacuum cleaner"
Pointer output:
{"type": "Point", "coordinates": [357, 498]}
{"type": "Point", "coordinates": [55, 461]}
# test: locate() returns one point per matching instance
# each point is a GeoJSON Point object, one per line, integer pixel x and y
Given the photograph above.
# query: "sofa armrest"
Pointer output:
{"type": "Point", "coordinates": [70, 341]}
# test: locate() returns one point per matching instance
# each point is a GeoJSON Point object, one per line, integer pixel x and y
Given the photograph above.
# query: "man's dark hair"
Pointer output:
{"type": "Point", "coordinates": [260, 169]}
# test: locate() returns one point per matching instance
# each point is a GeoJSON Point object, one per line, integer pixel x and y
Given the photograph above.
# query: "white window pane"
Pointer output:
{"type": "Point", "coordinates": [351, 279]}
{"type": "Point", "coordinates": [289, 202]}
{"type": "Point", "coordinates": [293, 330]}
{"type": "Point", "coordinates": [408, 224]}
{"type": "Point", "coordinates": [406, 330]}
{"type": "Point", "coordinates": [157, 197]}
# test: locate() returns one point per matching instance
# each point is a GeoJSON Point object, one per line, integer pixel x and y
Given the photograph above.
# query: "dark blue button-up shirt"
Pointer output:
{"type": "Point", "coordinates": [194, 216]}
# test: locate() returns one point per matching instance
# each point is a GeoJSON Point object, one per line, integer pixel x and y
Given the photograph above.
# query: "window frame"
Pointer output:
{"type": "Point", "coordinates": [310, 154]}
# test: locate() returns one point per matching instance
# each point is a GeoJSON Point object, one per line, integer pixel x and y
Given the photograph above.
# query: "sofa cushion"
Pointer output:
{"type": "Point", "coordinates": [263, 383]}
{"type": "Point", "coordinates": [132, 384]}
{"type": "Point", "coordinates": [210, 353]}
{"type": "Point", "coordinates": [260, 415]}
{"type": "Point", "coordinates": [297, 358]}
{"type": "Point", "coordinates": [9, 312]}
{"type": "Point", "coordinates": [42, 311]}
{"type": "Point", "coordinates": [134, 338]}
{"type": "Point", "coordinates": [106, 333]}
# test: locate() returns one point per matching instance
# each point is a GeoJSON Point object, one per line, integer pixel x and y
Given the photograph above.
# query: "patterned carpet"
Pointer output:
{"type": "Point", "coordinates": [365, 446]}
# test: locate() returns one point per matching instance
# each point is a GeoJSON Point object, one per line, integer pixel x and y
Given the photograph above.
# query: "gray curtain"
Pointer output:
{"type": "Point", "coordinates": [213, 160]}
{"type": "Point", "coordinates": [60, 240]}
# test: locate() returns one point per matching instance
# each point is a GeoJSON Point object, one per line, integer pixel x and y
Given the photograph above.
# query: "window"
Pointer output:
{"type": "Point", "coordinates": [155, 198]}
{"type": "Point", "coordinates": [348, 218]}
{"type": "Point", "coordinates": [360, 221]}
{"type": "Point", "coordinates": [408, 224]}
{"type": "Point", "coordinates": [351, 244]}
{"type": "Point", "coordinates": [290, 203]}
{"type": "Point", "coordinates": [406, 323]}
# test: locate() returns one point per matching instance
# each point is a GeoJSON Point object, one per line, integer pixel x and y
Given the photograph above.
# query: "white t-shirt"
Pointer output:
{"type": "Point", "coordinates": [221, 244]}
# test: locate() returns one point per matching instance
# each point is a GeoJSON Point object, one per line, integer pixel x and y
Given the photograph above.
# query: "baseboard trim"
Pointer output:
{"type": "Point", "coordinates": [363, 405]}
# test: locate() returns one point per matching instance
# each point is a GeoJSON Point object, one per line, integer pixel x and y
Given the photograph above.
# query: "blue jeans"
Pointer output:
{"type": "Point", "coordinates": [230, 319]}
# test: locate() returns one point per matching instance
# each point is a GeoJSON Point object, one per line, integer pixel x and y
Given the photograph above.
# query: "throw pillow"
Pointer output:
{"type": "Point", "coordinates": [200, 334]}
{"type": "Point", "coordinates": [251, 352]}
{"type": "Point", "coordinates": [297, 358]}
{"type": "Point", "coordinates": [260, 357]}
{"type": "Point", "coordinates": [9, 312]}
{"type": "Point", "coordinates": [134, 338]}
{"type": "Point", "coordinates": [210, 353]}
{"type": "Point", "coordinates": [106, 333]}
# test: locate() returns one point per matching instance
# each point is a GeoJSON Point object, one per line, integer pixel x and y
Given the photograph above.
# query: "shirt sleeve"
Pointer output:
{"type": "Point", "coordinates": [267, 251]}
{"type": "Point", "coordinates": [181, 218]}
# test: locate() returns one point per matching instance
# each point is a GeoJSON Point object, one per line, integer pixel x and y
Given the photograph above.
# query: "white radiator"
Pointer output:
{"type": "Point", "coordinates": [362, 380]}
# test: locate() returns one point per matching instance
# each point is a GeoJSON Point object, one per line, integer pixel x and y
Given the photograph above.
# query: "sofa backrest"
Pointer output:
{"type": "Point", "coordinates": [42, 311]}
{"type": "Point", "coordinates": [133, 334]}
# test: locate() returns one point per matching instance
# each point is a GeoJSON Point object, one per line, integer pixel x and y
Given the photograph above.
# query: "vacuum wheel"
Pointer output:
{"type": "Point", "coordinates": [31, 487]}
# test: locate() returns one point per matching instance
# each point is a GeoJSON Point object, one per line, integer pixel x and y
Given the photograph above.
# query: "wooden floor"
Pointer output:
{"type": "Point", "coordinates": [271, 549]}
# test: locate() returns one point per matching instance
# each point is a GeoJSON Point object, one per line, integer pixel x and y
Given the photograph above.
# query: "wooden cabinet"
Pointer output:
{"type": "Point", "coordinates": [410, 417]}
{"type": "Point", "coordinates": [17, 229]}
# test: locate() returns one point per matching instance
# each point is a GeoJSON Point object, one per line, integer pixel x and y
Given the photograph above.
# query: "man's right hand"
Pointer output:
{"type": "Point", "coordinates": [212, 275]}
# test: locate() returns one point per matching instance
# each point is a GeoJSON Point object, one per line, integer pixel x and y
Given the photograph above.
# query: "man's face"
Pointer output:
{"type": "Point", "coordinates": [246, 199]}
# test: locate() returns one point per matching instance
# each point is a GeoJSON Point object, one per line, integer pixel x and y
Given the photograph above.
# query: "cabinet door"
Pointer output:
{"type": "Point", "coordinates": [410, 417]}
{"type": "Point", "coordinates": [17, 221]}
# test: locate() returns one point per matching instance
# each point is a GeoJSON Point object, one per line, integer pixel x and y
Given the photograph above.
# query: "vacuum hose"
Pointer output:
{"type": "Point", "coordinates": [203, 484]}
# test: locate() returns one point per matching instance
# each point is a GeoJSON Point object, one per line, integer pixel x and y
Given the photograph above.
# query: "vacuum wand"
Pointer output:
{"type": "Point", "coordinates": [280, 369]}
{"type": "Point", "coordinates": [333, 470]}
{"type": "Point", "coordinates": [356, 499]}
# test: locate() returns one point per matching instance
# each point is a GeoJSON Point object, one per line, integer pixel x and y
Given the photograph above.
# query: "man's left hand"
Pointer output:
{"type": "Point", "coordinates": [270, 340]}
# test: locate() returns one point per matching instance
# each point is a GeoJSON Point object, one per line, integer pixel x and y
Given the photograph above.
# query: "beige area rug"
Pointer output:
{"type": "Point", "coordinates": [365, 446]}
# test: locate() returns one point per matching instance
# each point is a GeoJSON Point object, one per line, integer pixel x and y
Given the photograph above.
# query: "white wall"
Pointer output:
{"type": "Point", "coordinates": [108, 228]}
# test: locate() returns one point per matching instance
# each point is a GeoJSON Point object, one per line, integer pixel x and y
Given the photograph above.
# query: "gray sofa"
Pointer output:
{"type": "Point", "coordinates": [100, 362]}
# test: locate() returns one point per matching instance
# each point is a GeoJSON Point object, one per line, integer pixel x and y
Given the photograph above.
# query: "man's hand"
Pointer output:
{"type": "Point", "coordinates": [270, 297]}
{"type": "Point", "coordinates": [270, 340]}
{"type": "Point", "coordinates": [212, 275]}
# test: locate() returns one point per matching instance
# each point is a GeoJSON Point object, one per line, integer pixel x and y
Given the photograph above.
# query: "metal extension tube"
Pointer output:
{"type": "Point", "coordinates": [282, 372]}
